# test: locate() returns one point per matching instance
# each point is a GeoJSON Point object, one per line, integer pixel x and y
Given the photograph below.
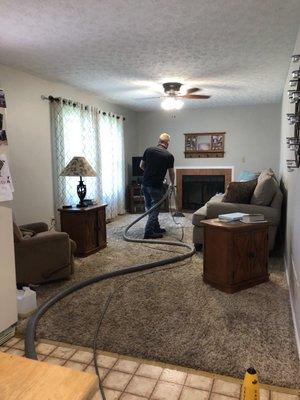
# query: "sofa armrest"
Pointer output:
{"type": "Point", "coordinates": [272, 215]}
{"type": "Point", "coordinates": [36, 227]}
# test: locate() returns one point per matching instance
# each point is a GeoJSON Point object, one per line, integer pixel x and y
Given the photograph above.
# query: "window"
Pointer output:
{"type": "Point", "coordinates": [84, 131]}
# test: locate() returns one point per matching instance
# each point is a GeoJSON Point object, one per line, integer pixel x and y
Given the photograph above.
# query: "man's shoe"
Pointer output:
{"type": "Point", "coordinates": [153, 236]}
{"type": "Point", "coordinates": [161, 230]}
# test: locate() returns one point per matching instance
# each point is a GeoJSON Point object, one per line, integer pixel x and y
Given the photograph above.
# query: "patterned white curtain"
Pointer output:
{"type": "Point", "coordinates": [112, 158]}
{"type": "Point", "coordinates": [78, 130]}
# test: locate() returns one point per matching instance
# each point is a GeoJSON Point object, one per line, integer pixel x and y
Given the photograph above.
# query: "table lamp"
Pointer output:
{"type": "Point", "coordinates": [79, 166]}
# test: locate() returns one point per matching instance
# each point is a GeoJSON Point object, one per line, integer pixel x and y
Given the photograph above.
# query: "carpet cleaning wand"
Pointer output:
{"type": "Point", "coordinates": [30, 351]}
{"type": "Point", "coordinates": [177, 213]}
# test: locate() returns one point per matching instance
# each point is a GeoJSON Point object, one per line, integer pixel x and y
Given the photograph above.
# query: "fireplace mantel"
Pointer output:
{"type": "Point", "coordinates": [227, 172]}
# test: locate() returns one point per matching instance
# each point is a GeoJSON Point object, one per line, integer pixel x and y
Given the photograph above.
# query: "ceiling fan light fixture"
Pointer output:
{"type": "Point", "coordinates": [179, 104]}
{"type": "Point", "coordinates": [170, 103]}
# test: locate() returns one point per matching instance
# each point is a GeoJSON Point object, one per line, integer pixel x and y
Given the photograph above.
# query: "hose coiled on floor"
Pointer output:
{"type": "Point", "coordinates": [30, 351]}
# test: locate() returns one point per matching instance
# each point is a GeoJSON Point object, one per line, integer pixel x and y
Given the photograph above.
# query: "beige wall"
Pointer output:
{"type": "Point", "coordinates": [291, 181]}
{"type": "Point", "coordinates": [28, 130]}
{"type": "Point", "coordinates": [252, 139]}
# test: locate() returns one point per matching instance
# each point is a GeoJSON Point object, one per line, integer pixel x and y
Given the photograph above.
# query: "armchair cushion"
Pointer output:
{"type": "Point", "coordinates": [36, 227]}
{"type": "Point", "coordinates": [27, 233]}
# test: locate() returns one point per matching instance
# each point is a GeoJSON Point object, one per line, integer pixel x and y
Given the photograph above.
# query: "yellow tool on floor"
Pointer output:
{"type": "Point", "coordinates": [250, 388]}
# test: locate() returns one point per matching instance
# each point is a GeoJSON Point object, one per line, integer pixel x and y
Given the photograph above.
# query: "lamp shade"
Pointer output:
{"type": "Point", "coordinates": [78, 166]}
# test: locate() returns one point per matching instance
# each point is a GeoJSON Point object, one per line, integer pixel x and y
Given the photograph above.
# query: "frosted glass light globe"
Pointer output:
{"type": "Point", "coordinates": [170, 103]}
{"type": "Point", "coordinates": [179, 104]}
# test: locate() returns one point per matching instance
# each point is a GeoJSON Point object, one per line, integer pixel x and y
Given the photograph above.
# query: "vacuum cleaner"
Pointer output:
{"type": "Point", "coordinates": [30, 351]}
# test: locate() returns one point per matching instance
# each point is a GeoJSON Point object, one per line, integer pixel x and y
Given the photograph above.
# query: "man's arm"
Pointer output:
{"type": "Point", "coordinates": [172, 175]}
{"type": "Point", "coordinates": [142, 165]}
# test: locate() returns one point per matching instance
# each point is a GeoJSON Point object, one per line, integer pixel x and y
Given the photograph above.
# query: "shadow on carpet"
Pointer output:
{"type": "Point", "coordinates": [172, 316]}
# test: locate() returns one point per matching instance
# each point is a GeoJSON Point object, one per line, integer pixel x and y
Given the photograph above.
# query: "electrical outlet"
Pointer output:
{"type": "Point", "coordinates": [243, 159]}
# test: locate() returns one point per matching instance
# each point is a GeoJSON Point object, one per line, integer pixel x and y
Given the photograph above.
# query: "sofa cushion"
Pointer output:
{"type": "Point", "coordinates": [199, 215]}
{"type": "Point", "coordinates": [246, 176]}
{"type": "Point", "coordinates": [239, 192]}
{"type": "Point", "coordinates": [272, 215]}
{"type": "Point", "coordinates": [265, 190]}
{"type": "Point", "coordinates": [265, 173]}
{"type": "Point", "coordinates": [277, 200]}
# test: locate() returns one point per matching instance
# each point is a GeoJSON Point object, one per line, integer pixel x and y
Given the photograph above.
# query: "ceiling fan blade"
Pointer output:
{"type": "Point", "coordinates": [193, 90]}
{"type": "Point", "coordinates": [150, 98]}
{"type": "Point", "coordinates": [195, 96]}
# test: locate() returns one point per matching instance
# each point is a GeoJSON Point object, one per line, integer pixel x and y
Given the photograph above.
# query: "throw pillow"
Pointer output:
{"type": "Point", "coordinates": [27, 233]}
{"type": "Point", "coordinates": [265, 191]}
{"type": "Point", "coordinates": [239, 192]}
{"type": "Point", "coordinates": [265, 173]}
{"type": "Point", "coordinates": [245, 176]}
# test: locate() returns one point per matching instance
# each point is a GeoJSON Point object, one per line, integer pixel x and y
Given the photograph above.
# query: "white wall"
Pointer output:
{"type": "Point", "coordinates": [291, 182]}
{"type": "Point", "coordinates": [251, 140]}
{"type": "Point", "coordinates": [28, 131]}
{"type": "Point", "coordinates": [8, 298]}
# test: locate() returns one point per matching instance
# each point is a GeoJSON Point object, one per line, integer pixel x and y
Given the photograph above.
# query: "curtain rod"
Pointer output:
{"type": "Point", "coordinates": [75, 103]}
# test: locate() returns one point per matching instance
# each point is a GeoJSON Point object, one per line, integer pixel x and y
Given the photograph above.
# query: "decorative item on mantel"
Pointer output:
{"type": "Point", "coordinates": [79, 166]}
{"type": "Point", "coordinates": [204, 145]}
{"type": "Point", "coordinates": [293, 142]}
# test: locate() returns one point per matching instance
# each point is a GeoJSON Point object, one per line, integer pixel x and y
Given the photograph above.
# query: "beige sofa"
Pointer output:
{"type": "Point", "coordinates": [215, 206]}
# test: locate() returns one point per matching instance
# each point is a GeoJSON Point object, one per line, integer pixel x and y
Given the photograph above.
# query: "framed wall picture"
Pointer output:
{"type": "Point", "coordinates": [206, 145]}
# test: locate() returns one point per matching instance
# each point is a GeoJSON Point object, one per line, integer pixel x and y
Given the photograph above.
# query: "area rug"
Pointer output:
{"type": "Point", "coordinates": [172, 316]}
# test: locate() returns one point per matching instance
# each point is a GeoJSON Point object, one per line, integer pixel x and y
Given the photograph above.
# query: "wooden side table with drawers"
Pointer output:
{"type": "Point", "coordinates": [235, 254]}
{"type": "Point", "coordinates": [86, 226]}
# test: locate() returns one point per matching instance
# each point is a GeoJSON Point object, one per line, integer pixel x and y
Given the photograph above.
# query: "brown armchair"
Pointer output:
{"type": "Point", "coordinates": [42, 255]}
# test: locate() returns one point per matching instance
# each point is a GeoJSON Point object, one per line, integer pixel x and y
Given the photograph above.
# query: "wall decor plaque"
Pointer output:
{"type": "Point", "coordinates": [204, 145]}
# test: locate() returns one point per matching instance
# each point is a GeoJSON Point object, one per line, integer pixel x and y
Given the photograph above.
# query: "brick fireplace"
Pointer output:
{"type": "Point", "coordinates": [209, 182]}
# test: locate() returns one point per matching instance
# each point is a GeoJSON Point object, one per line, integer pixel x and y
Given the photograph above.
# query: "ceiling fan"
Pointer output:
{"type": "Point", "coordinates": [172, 96]}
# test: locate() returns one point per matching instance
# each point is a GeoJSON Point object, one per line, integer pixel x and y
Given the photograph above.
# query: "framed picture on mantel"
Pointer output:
{"type": "Point", "coordinates": [204, 145]}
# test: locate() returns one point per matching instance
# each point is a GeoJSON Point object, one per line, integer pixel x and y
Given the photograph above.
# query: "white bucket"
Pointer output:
{"type": "Point", "coordinates": [26, 299]}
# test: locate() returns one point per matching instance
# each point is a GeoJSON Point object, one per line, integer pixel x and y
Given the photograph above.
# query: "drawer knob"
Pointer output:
{"type": "Point", "coordinates": [251, 254]}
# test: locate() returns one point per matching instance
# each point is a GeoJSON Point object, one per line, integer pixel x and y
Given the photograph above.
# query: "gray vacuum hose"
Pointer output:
{"type": "Point", "coordinates": [30, 351]}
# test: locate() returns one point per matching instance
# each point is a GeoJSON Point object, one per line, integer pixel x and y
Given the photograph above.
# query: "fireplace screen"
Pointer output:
{"type": "Point", "coordinates": [198, 189]}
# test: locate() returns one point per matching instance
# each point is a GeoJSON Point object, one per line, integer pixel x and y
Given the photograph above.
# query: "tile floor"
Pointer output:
{"type": "Point", "coordinates": [127, 378]}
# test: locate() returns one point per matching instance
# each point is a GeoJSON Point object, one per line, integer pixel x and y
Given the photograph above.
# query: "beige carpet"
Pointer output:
{"type": "Point", "coordinates": [172, 316]}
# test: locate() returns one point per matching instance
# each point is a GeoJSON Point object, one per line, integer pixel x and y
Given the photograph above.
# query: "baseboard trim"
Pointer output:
{"type": "Point", "coordinates": [297, 335]}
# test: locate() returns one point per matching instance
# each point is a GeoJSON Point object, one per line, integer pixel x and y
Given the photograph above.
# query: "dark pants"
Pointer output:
{"type": "Point", "coordinates": [152, 196]}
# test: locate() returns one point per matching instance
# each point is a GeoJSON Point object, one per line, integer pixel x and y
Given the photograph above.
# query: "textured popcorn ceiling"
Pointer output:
{"type": "Point", "coordinates": [236, 50]}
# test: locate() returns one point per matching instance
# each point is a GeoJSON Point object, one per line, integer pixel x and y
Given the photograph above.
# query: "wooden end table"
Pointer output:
{"type": "Point", "coordinates": [235, 254]}
{"type": "Point", "coordinates": [86, 226]}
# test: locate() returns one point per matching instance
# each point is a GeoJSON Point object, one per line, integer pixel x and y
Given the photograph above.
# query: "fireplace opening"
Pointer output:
{"type": "Point", "coordinates": [198, 189]}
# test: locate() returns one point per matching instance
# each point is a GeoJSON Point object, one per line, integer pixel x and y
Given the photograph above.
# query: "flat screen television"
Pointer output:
{"type": "Point", "coordinates": [136, 170]}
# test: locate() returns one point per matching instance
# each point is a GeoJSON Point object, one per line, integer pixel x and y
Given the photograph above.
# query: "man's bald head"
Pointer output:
{"type": "Point", "coordinates": [164, 139]}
